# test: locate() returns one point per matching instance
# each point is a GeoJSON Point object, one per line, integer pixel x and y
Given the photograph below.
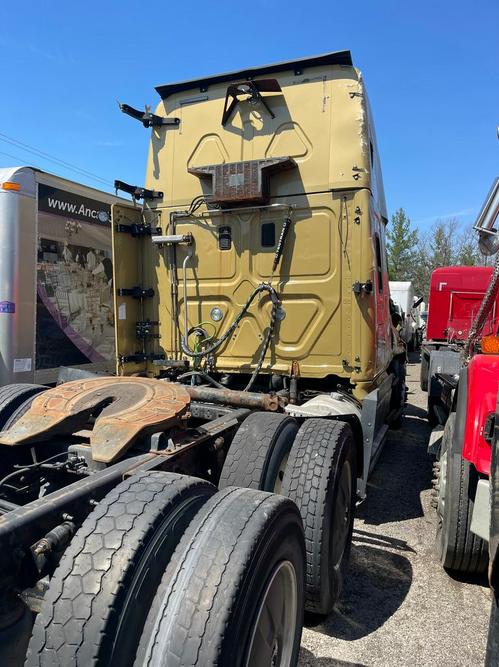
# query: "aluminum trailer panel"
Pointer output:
{"type": "Point", "coordinates": [55, 276]}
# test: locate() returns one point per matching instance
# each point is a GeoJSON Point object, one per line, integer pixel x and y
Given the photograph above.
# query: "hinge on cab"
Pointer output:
{"type": "Point", "coordinates": [138, 230]}
{"type": "Point", "coordinates": [143, 329]}
{"type": "Point", "coordinates": [136, 292]}
{"type": "Point", "coordinates": [147, 118]}
{"type": "Point", "coordinates": [136, 191]}
{"type": "Point", "coordinates": [366, 287]}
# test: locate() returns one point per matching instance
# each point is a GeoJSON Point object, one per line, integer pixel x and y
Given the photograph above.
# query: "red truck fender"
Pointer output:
{"type": "Point", "coordinates": [481, 396]}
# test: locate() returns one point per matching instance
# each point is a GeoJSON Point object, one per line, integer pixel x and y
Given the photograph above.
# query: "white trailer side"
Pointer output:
{"type": "Point", "coordinates": [55, 290]}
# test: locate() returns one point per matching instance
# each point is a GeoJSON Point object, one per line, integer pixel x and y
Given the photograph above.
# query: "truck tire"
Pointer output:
{"type": "Point", "coordinates": [237, 575]}
{"type": "Point", "coordinates": [423, 371]}
{"type": "Point", "coordinates": [13, 395]}
{"type": "Point", "coordinates": [320, 478]}
{"type": "Point", "coordinates": [492, 655]}
{"type": "Point", "coordinates": [431, 413]}
{"type": "Point", "coordinates": [100, 594]}
{"type": "Point", "coordinates": [458, 548]}
{"type": "Point", "coordinates": [399, 392]}
{"type": "Point", "coordinates": [258, 453]}
{"type": "Point", "coordinates": [20, 411]}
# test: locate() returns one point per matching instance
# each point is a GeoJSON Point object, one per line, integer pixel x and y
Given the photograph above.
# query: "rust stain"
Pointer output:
{"type": "Point", "coordinates": [130, 406]}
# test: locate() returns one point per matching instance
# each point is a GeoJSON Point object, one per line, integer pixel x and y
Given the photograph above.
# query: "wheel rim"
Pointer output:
{"type": "Point", "coordinates": [341, 516]}
{"type": "Point", "coordinates": [273, 635]}
{"type": "Point", "coordinates": [280, 474]}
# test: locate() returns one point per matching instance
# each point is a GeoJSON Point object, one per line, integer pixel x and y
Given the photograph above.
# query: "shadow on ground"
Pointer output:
{"type": "Point", "coordinates": [307, 659]}
{"type": "Point", "coordinates": [403, 471]}
{"type": "Point", "coordinates": [376, 585]}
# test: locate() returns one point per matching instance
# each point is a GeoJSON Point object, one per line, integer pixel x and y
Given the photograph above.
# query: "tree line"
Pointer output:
{"type": "Point", "coordinates": [413, 255]}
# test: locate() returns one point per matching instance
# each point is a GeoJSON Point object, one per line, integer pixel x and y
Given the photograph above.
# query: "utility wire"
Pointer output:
{"type": "Point", "coordinates": [21, 160]}
{"type": "Point", "coordinates": [47, 156]}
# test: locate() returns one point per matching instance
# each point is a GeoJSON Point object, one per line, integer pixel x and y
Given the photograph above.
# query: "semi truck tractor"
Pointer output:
{"type": "Point", "coordinates": [467, 374]}
{"type": "Point", "coordinates": [188, 510]}
{"type": "Point", "coordinates": [56, 295]}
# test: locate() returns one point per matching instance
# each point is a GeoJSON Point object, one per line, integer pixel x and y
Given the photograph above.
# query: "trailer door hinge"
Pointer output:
{"type": "Point", "coordinates": [136, 191]}
{"type": "Point", "coordinates": [136, 292]}
{"type": "Point", "coordinates": [147, 118]}
{"type": "Point", "coordinates": [366, 287]}
{"type": "Point", "coordinates": [138, 230]}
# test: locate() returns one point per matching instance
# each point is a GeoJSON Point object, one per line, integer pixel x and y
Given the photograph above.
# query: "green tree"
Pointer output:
{"type": "Point", "coordinates": [402, 242]}
{"type": "Point", "coordinates": [468, 253]}
{"type": "Point", "coordinates": [444, 235]}
{"type": "Point", "coordinates": [445, 245]}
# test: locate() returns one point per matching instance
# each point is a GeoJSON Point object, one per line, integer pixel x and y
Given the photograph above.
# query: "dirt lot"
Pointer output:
{"type": "Point", "coordinates": [398, 606]}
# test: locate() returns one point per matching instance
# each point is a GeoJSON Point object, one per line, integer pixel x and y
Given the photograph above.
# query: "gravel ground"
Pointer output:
{"type": "Point", "coordinates": [398, 606]}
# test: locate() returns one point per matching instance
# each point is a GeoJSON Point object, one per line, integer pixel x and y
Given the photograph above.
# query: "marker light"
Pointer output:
{"type": "Point", "coordinates": [490, 344]}
{"type": "Point", "coordinates": [9, 185]}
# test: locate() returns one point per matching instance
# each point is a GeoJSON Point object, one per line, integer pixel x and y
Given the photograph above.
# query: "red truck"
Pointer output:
{"type": "Point", "coordinates": [461, 355]}
{"type": "Point", "coordinates": [454, 298]}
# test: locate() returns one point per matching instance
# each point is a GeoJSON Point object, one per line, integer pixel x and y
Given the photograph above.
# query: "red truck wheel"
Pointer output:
{"type": "Point", "coordinates": [458, 548]}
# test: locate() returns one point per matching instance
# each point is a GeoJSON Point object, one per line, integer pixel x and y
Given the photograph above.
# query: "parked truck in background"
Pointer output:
{"type": "Point", "coordinates": [255, 353]}
{"type": "Point", "coordinates": [408, 308]}
{"type": "Point", "coordinates": [492, 657]}
{"type": "Point", "coordinates": [455, 295]}
{"type": "Point", "coordinates": [466, 370]}
{"type": "Point", "coordinates": [56, 297]}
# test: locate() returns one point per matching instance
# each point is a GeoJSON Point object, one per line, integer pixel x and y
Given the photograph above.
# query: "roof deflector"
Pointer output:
{"type": "Point", "coordinates": [334, 58]}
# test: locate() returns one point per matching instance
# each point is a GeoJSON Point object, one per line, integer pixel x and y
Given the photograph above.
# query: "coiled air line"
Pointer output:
{"type": "Point", "coordinates": [263, 287]}
{"type": "Point", "coordinates": [197, 354]}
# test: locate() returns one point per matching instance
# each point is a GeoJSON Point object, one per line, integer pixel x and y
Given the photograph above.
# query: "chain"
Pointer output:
{"type": "Point", "coordinates": [483, 313]}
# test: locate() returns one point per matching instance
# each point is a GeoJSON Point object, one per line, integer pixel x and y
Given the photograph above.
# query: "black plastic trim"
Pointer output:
{"type": "Point", "coordinates": [334, 58]}
{"type": "Point", "coordinates": [461, 410]}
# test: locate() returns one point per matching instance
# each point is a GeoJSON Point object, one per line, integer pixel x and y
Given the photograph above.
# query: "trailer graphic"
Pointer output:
{"type": "Point", "coordinates": [56, 301]}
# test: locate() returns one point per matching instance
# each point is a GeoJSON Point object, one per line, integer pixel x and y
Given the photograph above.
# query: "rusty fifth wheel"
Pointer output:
{"type": "Point", "coordinates": [126, 407]}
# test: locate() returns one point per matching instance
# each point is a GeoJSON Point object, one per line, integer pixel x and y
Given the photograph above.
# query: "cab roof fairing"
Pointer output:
{"type": "Point", "coordinates": [334, 58]}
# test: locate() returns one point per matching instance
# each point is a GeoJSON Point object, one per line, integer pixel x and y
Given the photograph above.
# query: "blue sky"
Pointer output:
{"type": "Point", "coordinates": [432, 71]}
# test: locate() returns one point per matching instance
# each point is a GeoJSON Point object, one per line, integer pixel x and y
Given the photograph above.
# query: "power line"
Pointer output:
{"type": "Point", "coordinates": [21, 160]}
{"type": "Point", "coordinates": [47, 156]}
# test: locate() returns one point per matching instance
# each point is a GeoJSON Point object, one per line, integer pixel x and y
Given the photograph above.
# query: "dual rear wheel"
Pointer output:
{"type": "Point", "coordinates": [315, 466]}
{"type": "Point", "coordinates": [168, 571]}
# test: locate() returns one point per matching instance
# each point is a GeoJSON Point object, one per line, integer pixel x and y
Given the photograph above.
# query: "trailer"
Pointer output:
{"type": "Point", "coordinates": [408, 308]}
{"type": "Point", "coordinates": [188, 510]}
{"type": "Point", "coordinates": [56, 298]}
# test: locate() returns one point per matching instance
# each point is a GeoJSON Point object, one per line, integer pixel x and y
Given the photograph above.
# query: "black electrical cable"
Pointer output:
{"type": "Point", "coordinates": [263, 287]}
{"type": "Point", "coordinates": [19, 471]}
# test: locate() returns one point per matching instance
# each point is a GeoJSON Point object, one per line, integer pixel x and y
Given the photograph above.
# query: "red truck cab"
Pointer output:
{"type": "Point", "coordinates": [454, 298]}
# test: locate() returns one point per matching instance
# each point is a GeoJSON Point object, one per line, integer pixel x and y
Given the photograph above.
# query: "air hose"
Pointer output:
{"type": "Point", "coordinates": [263, 287]}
